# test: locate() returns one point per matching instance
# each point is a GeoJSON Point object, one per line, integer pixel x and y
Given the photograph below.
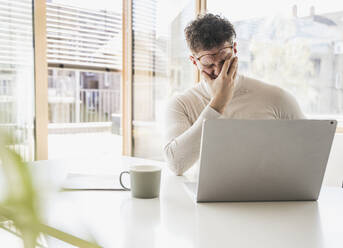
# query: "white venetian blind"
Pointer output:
{"type": "Point", "coordinates": [16, 74]}
{"type": "Point", "coordinates": [16, 34]}
{"type": "Point", "coordinates": [84, 37]}
{"type": "Point", "coordinates": [149, 53]}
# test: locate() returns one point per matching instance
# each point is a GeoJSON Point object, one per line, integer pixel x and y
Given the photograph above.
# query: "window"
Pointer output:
{"type": "Point", "coordinates": [293, 44]}
{"type": "Point", "coordinates": [160, 67]}
{"type": "Point", "coordinates": [16, 74]}
{"type": "Point", "coordinates": [316, 67]}
{"type": "Point", "coordinates": [84, 47]}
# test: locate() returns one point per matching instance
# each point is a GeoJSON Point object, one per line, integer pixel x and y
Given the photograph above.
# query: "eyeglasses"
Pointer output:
{"type": "Point", "coordinates": [207, 60]}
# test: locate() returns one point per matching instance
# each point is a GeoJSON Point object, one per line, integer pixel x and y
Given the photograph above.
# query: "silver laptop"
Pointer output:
{"type": "Point", "coordinates": [263, 160]}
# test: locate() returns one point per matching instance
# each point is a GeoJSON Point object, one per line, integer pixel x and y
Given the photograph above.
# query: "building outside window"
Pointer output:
{"type": "Point", "coordinates": [293, 44]}
{"type": "Point", "coordinates": [84, 43]}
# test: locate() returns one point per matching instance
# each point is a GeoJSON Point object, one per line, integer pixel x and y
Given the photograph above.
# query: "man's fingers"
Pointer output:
{"type": "Point", "coordinates": [206, 77]}
{"type": "Point", "coordinates": [233, 67]}
{"type": "Point", "coordinates": [234, 74]}
{"type": "Point", "coordinates": [226, 65]}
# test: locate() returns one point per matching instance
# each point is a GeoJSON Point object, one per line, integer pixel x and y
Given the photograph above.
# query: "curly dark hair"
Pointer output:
{"type": "Point", "coordinates": [208, 31]}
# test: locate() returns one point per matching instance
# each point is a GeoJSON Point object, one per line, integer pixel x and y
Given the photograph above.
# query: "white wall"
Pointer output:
{"type": "Point", "coordinates": [334, 170]}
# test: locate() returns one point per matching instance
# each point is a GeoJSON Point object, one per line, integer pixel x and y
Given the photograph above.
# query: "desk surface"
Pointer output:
{"type": "Point", "coordinates": [115, 219]}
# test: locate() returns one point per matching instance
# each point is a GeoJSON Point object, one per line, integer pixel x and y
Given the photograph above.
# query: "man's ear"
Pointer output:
{"type": "Point", "coordinates": [192, 59]}
{"type": "Point", "coordinates": [235, 47]}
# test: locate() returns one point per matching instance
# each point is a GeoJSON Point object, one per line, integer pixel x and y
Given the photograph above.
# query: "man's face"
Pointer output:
{"type": "Point", "coordinates": [211, 61]}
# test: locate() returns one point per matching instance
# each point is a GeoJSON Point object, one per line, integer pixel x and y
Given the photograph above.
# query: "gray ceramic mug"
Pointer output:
{"type": "Point", "coordinates": [145, 181]}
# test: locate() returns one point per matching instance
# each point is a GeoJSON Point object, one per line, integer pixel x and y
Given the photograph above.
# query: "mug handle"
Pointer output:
{"type": "Point", "coordinates": [121, 182]}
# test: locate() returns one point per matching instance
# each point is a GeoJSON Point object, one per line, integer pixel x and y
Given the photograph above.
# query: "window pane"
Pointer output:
{"type": "Point", "coordinates": [84, 56]}
{"type": "Point", "coordinates": [16, 74]}
{"type": "Point", "coordinates": [297, 45]}
{"type": "Point", "coordinates": [160, 67]}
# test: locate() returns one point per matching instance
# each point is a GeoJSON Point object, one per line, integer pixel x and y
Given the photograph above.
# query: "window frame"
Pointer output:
{"type": "Point", "coordinates": [41, 80]}
{"type": "Point", "coordinates": [41, 67]}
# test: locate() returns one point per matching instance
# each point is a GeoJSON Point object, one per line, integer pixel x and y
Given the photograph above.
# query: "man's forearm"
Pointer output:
{"type": "Point", "coordinates": [182, 151]}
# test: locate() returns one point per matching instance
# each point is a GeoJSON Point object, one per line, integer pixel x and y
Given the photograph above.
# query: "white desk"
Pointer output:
{"type": "Point", "coordinates": [114, 219]}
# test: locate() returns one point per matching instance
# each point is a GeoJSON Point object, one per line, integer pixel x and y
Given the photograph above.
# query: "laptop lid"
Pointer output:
{"type": "Point", "coordinates": [263, 160]}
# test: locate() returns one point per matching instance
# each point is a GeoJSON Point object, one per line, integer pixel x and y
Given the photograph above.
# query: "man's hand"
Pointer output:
{"type": "Point", "coordinates": [222, 87]}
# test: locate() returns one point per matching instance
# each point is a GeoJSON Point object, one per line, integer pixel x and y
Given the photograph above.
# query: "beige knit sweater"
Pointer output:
{"type": "Point", "coordinates": [252, 99]}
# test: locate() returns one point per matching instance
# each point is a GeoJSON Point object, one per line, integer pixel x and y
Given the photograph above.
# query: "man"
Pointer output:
{"type": "Point", "coordinates": [221, 94]}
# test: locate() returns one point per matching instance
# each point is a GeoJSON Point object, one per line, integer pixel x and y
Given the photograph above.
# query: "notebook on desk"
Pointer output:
{"type": "Point", "coordinates": [78, 181]}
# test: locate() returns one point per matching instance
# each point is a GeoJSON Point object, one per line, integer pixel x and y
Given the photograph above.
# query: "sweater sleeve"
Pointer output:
{"type": "Point", "coordinates": [288, 107]}
{"type": "Point", "coordinates": [182, 138]}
